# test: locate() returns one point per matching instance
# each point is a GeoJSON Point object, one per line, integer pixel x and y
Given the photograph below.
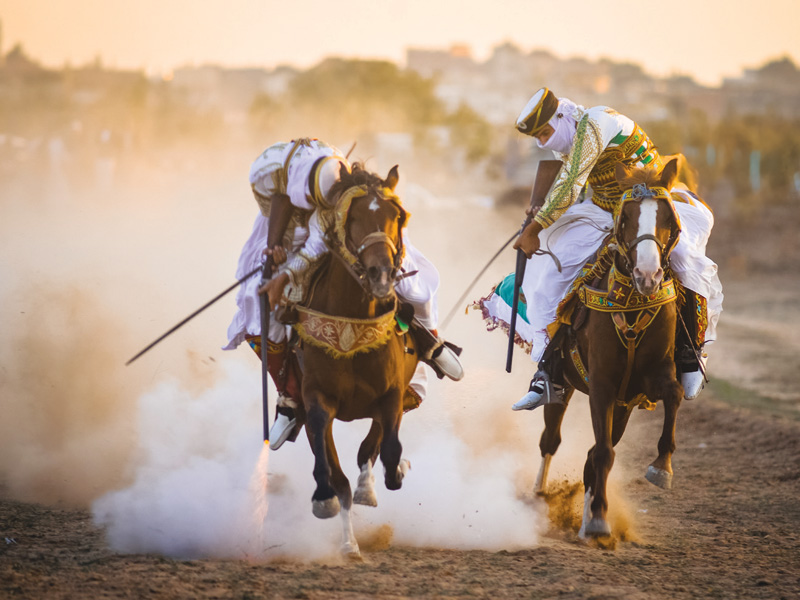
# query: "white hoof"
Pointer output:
{"type": "Point", "coordinates": [659, 477]}
{"type": "Point", "coordinates": [325, 509]}
{"type": "Point", "coordinates": [365, 490]}
{"type": "Point", "coordinates": [351, 551]}
{"type": "Point", "coordinates": [404, 467]}
{"type": "Point", "coordinates": [365, 496]}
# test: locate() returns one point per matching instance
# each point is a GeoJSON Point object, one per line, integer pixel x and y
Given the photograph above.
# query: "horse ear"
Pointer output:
{"type": "Point", "coordinates": [669, 173]}
{"type": "Point", "coordinates": [392, 178]}
{"type": "Point", "coordinates": [343, 170]}
{"type": "Point", "coordinates": [622, 173]}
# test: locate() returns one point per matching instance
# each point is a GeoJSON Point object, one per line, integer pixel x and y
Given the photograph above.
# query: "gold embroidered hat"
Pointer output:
{"type": "Point", "coordinates": [537, 112]}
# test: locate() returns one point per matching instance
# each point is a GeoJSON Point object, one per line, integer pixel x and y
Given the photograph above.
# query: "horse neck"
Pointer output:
{"type": "Point", "coordinates": [339, 294]}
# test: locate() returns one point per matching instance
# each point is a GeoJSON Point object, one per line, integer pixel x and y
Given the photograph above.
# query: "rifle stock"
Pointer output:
{"type": "Point", "coordinates": [545, 177]}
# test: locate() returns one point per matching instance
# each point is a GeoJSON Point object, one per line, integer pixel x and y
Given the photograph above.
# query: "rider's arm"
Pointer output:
{"type": "Point", "coordinates": [311, 251]}
{"type": "Point", "coordinates": [591, 138]}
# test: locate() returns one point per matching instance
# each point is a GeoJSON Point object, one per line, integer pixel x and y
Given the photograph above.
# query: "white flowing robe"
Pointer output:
{"type": "Point", "coordinates": [574, 230]}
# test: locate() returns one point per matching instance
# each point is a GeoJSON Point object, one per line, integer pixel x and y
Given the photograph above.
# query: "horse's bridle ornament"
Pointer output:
{"type": "Point", "coordinates": [340, 245]}
{"type": "Point", "coordinates": [637, 193]}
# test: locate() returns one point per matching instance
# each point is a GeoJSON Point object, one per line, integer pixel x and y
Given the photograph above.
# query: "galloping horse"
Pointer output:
{"type": "Point", "coordinates": [357, 363]}
{"type": "Point", "coordinates": [619, 348]}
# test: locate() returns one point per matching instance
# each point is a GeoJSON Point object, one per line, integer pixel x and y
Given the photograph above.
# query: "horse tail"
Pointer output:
{"type": "Point", "coordinates": [687, 175]}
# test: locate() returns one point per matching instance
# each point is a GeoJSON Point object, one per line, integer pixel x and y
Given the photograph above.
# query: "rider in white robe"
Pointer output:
{"type": "Point", "coordinates": [304, 170]}
{"type": "Point", "coordinates": [590, 142]}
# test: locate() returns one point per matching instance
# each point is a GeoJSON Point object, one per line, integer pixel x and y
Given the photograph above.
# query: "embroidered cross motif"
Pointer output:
{"type": "Point", "coordinates": [640, 190]}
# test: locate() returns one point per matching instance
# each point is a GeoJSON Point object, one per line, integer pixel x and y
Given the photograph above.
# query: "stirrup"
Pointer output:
{"type": "Point", "coordinates": [693, 382]}
{"type": "Point", "coordinates": [284, 428]}
{"type": "Point", "coordinates": [541, 391]}
{"type": "Point", "coordinates": [445, 357]}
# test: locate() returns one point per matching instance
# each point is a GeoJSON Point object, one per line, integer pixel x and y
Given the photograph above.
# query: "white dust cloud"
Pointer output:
{"type": "Point", "coordinates": [168, 452]}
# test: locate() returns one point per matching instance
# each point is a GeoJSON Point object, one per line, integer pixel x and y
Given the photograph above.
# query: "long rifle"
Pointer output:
{"type": "Point", "coordinates": [263, 299]}
{"type": "Point", "coordinates": [195, 313]}
{"type": "Point", "coordinates": [545, 176]}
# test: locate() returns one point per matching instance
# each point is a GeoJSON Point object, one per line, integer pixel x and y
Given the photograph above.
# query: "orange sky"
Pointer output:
{"type": "Point", "coordinates": [708, 39]}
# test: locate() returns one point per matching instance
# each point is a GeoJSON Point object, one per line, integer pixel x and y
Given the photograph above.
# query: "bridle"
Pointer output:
{"type": "Point", "coordinates": [637, 193]}
{"type": "Point", "coordinates": [350, 253]}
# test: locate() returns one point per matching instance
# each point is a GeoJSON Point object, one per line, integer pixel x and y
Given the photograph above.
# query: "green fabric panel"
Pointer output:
{"type": "Point", "coordinates": [506, 292]}
{"type": "Point", "coordinates": [619, 138]}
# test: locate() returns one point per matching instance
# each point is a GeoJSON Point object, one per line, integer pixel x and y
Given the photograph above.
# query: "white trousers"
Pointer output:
{"type": "Point", "coordinates": [577, 235]}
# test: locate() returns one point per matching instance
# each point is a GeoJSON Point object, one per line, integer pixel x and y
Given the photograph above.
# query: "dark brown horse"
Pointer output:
{"type": "Point", "coordinates": [357, 364]}
{"type": "Point", "coordinates": [622, 353]}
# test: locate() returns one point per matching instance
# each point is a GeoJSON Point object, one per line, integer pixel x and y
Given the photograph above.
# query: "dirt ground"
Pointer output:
{"type": "Point", "coordinates": [728, 529]}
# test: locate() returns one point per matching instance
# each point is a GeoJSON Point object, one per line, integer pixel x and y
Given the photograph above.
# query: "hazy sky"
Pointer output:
{"type": "Point", "coordinates": [708, 39]}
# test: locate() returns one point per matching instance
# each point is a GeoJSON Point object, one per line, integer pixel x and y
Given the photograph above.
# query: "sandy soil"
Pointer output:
{"type": "Point", "coordinates": [728, 529]}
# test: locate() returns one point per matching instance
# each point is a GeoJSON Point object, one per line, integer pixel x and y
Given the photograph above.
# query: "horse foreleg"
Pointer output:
{"type": "Point", "coordinates": [349, 544]}
{"type": "Point", "coordinates": [367, 454]}
{"type": "Point", "coordinates": [659, 472]}
{"type": "Point", "coordinates": [600, 461]}
{"type": "Point", "coordinates": [541, 478]}
{"type": "Point", "coordinates": [551, 439]}
{"type": "Point", "coordinates": [392, 449]}
{"type": "Point", "coordinates": [345, 496]}
{"type": "Point", "coordinates": [324, 501]}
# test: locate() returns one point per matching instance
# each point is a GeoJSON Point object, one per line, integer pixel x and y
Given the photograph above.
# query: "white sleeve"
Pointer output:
{"type": "Point", "coordinates": [311, 251]}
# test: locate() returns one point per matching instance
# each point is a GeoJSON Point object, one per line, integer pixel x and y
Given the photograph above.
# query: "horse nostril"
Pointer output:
{"type": "Point", "coordinates": [373, 273]}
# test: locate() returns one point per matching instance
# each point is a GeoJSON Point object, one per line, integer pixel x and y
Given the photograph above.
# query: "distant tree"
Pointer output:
{"type": "Point", "coordinates": [354, 96]}
{"type": "Point", "coordinates": [470, 132]}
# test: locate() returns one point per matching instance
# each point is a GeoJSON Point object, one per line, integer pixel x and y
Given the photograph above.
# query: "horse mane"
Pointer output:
{"type": "Point", "coordinates": [357, 175]}
{"type": "Point", "coordinates": [649, 176]}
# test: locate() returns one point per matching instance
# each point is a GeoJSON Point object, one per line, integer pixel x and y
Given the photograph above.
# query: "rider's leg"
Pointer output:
{"type": "Point", "coordinates": [691, 345]}
{"type": "Point", "coordinates": [547, 385]}
{"type": "Point", "coordinates": [286, 382]}
{"type": "Point", "coordinates": [697, 273]}
{"type": "Point", "coordinates": [544, 286]}
{"type": "Point", "coordinates": [420, 290]}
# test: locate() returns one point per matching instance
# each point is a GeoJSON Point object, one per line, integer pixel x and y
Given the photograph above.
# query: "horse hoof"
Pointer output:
{"type": "Point", "coordinates": [325, 509]}
{"type": "Point", "coordinates": [365, 497]}
{"type": "Point", "coordinates": [659, 477]}
{"type": "Point", "coordinates": [403, 468]}
{"type": "Point", "coordinates": [598, 528]}
{"type": "Point", "coordinates": [352, 552]}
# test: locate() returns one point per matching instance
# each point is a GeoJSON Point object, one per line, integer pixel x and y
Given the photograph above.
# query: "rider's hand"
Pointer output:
{"type": "Point", "coordinates": [274, 289]}
{"type": "Point", "coordinates": [278, 254]}
{"type": "Point", "coordinates": [531, 211]}
{"type": "Point", "coordinates": [528, 241]}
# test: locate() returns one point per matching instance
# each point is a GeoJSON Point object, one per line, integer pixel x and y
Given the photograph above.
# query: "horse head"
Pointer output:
{"type": "Point", "coordinates": [646, 225]}
{"type": "Point", "coordinates": [368, 228]}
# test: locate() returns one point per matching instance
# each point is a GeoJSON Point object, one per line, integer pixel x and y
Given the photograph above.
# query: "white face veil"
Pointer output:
{"type": "Point", "coordinates": [564, 125]}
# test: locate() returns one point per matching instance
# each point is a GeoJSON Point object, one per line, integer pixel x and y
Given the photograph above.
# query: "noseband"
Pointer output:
{"type": "Point", "coordinates": [640, 192]}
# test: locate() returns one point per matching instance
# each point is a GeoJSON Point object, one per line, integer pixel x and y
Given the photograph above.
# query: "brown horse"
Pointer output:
{"type": "Point", "coordinates": [620, 348]}
{"type": "Point", "coordinates": [357, 364]}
